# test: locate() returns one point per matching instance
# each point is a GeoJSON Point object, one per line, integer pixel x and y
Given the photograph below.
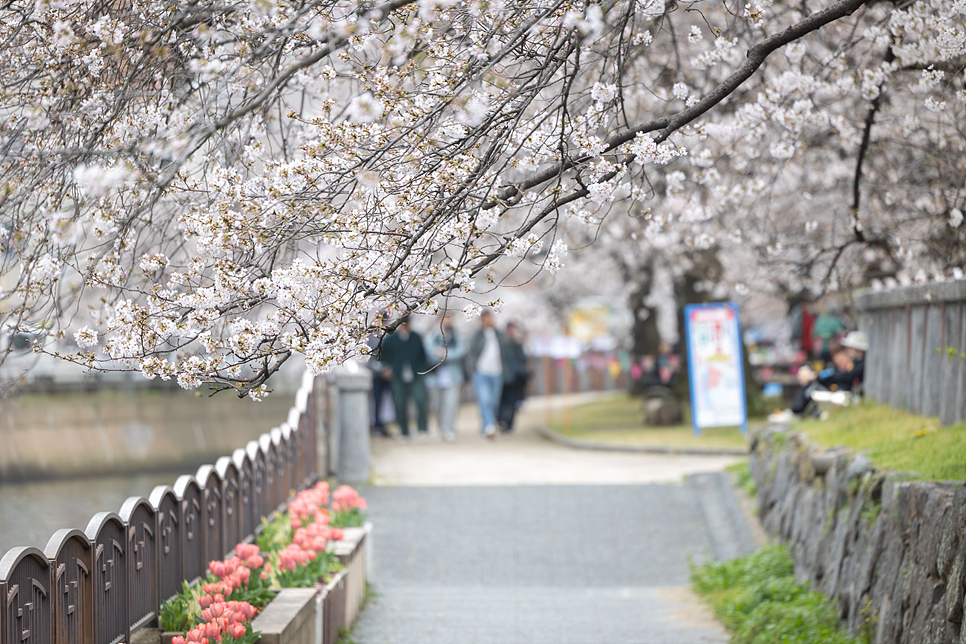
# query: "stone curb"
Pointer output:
{"type": "Point", "coordinates": [577, 443]}
{"type": "Point", "coordinates": [728, 528]}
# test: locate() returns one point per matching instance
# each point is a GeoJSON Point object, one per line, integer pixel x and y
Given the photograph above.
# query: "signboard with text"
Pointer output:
{"type": "Point", "coordinates": [715, 369]}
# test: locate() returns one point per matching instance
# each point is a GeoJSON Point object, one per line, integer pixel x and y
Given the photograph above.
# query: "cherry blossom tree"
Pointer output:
{"type": "Point", "coordinates": [201, 191]}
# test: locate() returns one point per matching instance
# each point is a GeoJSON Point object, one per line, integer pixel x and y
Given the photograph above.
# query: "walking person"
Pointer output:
{"type": "Point", "coordinates": [445, 349]}
{"type": "Point", "coordinates": [381, 389]}
{"type": "Point", "coordinates": [487, 359]}
{"type": "Point", "coordinates": [404, 355]}
{"type": "Point", "coordinates": [514, 380]}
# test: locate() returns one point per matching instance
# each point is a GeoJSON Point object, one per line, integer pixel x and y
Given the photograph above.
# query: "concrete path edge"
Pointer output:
{"type": "Point", "coordinates": [579, 443]}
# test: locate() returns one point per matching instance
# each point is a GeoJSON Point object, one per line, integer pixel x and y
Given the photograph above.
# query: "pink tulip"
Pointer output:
{"type": "Point", "coordinates": [246, 550]}
{"type": "Point", "coordinates": [212, 629]}
{"type": "Point", "coordinates": [217, 568]}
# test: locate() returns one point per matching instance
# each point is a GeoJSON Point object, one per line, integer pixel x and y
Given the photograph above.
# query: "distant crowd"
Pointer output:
{"type": "Point", "coordinates": [427, 375]}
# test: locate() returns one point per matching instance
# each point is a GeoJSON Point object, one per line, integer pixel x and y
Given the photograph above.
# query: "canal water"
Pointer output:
{"type": "Point", "coordinates": [70, 442]}
{"type": "Point", "coordinates": [31, 512]}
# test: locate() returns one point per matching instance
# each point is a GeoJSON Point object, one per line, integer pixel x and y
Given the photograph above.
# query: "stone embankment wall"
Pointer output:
{"type": "Point", "coordinates": [889, 552]}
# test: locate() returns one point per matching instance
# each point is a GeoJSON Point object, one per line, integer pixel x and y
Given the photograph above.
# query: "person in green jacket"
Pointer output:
{"type": "Point", "coordinates": [827, 328]}
{"type": "Point", "coordinates": [404, 355]}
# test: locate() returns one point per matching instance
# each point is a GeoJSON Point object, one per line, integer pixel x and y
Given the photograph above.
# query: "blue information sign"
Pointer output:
{"type": "Point", "coordinates": [715, 368]}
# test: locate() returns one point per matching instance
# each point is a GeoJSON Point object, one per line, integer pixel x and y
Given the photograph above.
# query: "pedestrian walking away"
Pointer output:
{"type": "Point", "coordinates": [488, 359]}
{"type": "Point", "coordinates": [381, 390]}
{"type": "Point", "coordinates": [404, 355]}
{"type": "Point", "coordinates": [514, 380]}
{"type": "Point", "coordinates": [445, 349]}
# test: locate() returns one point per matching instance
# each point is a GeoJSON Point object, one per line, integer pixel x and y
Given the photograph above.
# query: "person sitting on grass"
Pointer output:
{"type": "Point", "coordinates": [843, 377]}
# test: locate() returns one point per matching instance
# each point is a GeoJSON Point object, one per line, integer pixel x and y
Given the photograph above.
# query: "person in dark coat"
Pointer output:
{"type": "Point", "coordinates": [857, 343]}
{"type": "Point", "coordinates": [404, 357]}
{"type": "Point", "coordinates": [846, 376]}
{"type": "Point", "coordinates": [514, 380]}
{"type": "Point", "coordinates": [381, 387]}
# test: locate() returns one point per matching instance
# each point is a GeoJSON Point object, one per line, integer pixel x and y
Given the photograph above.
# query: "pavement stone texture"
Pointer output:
{"type": "Point", "coordinates": [581, 548]}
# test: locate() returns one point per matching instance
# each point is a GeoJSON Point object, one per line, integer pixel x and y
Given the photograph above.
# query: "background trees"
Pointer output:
{"type": "Point", "coordinates": [202, 191]}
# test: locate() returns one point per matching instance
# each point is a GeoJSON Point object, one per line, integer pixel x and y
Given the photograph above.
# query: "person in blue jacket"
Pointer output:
{"type": "Point", "coordinates": [445, 349]}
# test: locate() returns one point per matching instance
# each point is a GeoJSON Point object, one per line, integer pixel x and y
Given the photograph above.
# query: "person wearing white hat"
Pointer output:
{"type": "Point", "coordinates": [857, 342]}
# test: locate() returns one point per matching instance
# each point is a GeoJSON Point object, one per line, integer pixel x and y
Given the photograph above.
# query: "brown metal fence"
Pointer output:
{"type": "Point", "coordinates": [101, 585]}
{"type": "Point", "coordinates": [590, 372]}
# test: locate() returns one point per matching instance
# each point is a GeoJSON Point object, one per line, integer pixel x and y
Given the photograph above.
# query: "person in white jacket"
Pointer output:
{"type": "Point", "coordinates": [487, 358]}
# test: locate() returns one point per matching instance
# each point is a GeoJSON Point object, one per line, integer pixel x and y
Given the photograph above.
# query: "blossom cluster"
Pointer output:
{"type": "Point", "coordinates": [273, 177]}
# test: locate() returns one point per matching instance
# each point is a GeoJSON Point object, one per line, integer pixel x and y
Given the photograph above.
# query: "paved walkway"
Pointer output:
{"type": "Point", "coordinates": [578, 548]}
{"type": "Point", "coordinates": [524, 458]}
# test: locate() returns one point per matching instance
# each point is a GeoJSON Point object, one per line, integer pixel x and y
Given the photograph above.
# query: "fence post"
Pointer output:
{"type": "Point", "coordinates": [353, 424]}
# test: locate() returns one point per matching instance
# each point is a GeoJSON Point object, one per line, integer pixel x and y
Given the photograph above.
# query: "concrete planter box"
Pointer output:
{"type": "Point", "coordinates": [352, 552]}
{"type": "Point", "coordinates": [309, 615]}
{"type": "Point", "coordinates": [289, 618]}
{"type": "Point", "coordinates": [331, 609]}
{"type": "Point", "coordinates": [295, 616]}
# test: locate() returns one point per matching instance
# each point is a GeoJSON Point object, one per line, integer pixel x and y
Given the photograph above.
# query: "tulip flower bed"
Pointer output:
{"type": "Point", "coordinates": [291, 552]}
{"type": "Point", "coordinates": [347, 507]}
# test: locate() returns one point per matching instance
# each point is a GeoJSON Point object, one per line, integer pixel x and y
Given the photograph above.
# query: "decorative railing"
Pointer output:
{"type": "Point", "coordinates": [103, 584]}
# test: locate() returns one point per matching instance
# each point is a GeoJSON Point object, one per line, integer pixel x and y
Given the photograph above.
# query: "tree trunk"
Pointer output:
{"type": "Point", "coordinates": [644, 334]}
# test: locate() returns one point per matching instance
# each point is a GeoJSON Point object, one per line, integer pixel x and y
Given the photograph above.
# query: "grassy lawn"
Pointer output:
{"type": "Point", "coordinates": [620, 419]}
{"type": "Point", "coordinates": [895, 440]}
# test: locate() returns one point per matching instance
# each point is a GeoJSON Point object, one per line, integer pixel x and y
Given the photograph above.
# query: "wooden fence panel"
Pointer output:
{"type": "Point", "coordinates": [231, 502]}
